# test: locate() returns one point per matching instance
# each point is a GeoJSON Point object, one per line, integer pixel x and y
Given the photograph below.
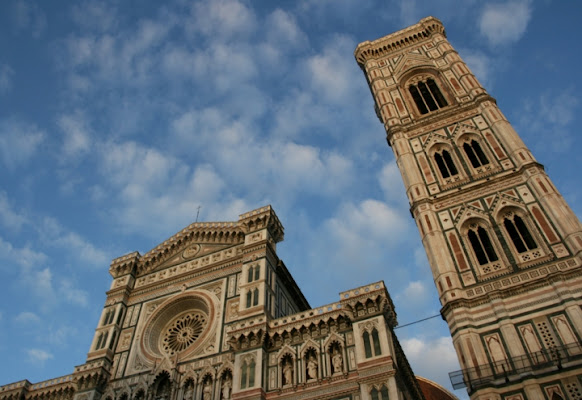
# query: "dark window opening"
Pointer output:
{"type": "Point", "coordinates": [445, 164]}
{"type": "Point", "coordinates": [519, 234]}
{"type": "Point", "coordinates": [427, 96]}
{"type": "Point", "coordinates": [367, 346]}
{"type": "Point", "coordinates": [482, 246]}
{"type": "Point", "coordinates": [475, 154]}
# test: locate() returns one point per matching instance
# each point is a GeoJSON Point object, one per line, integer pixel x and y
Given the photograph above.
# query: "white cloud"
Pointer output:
{"type": "Point", "coordinates": [51, 231]}
{"type": "Point", "coordinates": [98, 16]}
{"type": "Point", "coordinates": [25, 257]}
{"type": "Point", "coordinates": [414, 290]}
{"type": "Point", "coordinates": [6, 74]}
{"type": "Point", "coordinates": [72, 294]}
{"type": "Point", "coordinates": [29, 17]}
{"type": "Point", "coordinates": [329, 76]}
{"type": "Point", "coordinates": [222, 18]}
{"type": "Point", "coordinates": [552, 112]}
{"type": "Point", "coordinates": [480, 64]}
{"type": "Point", "coordinates": [505, 23]}
{"type": "Point", "coordinates": [431, 358]}
{"type": "Point", "coordinates": [77, 139]}
{"type": "Point", "coordinates": [19, 142]}
{"type": "Point", "coordinates": [282, 30]}
{"type": "Point", "coordinates": [9, 217]}
{"type": "Point", "coordinates": [369, 225]}
{"type": "Point", "coordinates": [27, 317]}
{"type": "Point", "coordinates": [390, 181]}
{"type": "Point", "coordinates": [38, 356]}
{"type": "Point", "coordinates": [420, 258]}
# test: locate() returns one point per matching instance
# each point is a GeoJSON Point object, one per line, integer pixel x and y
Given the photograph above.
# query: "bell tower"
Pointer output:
{"type": "Point", "coordinates": [504, 248]}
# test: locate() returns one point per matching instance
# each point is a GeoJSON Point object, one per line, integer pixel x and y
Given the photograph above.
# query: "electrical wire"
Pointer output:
{"type": "Point", "coordinates": [416, 322]}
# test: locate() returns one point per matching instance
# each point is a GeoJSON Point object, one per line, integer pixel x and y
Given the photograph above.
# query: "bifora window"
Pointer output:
{"type": "Point", "coordinates": [252, 297]}
{"type": "Point", "coordinates": [247, 376]}
{"type": "Point", "coordinates": [518, 232]}
{"type": "Point", "coordinates": [372, 347]}
{"type": "Point", "coordinates": [253, 274]}
{"type": "Point", "coordinates": [445, 163]}
{"type": "Point", "coordinates": [381, 394]}
{"type": "Point", "coordinates": [427, 96]}
{"type": "Point", "coordinates": [482, 246]}
{"type": "Point", "coordinates": [475, 154]}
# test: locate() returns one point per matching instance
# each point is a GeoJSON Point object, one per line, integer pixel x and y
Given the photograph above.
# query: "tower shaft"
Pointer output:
{"type": "Point", "coordinates": [503, 246]}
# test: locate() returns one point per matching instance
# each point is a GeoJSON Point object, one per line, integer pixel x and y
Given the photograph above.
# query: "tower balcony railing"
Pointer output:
{"type": "Point", "coordinates": [518, 368]}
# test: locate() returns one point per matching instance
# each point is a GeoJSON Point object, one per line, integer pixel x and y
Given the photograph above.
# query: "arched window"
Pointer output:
{"type": "Point", "coordinates": [427, 96]}
{"type": "Point", "coordinates": [445, 163]}
{"type": "Point", "coordinates": [381, 394]}
{"type": "Point", "coordinates": [371, 344]}
{"type": "Point", "coordinates": [243, 375]}
{"type": "Point", "coordinates": [252, 297]}
{"type": "Point", "coordinates": [475, 154]}
{"type": "Point", "coordinates": [482, 246]}
{"type": "Point", "coordinates": [112, 342]}
{"type": "Point", "coordinates": [376, 341]}
{"type": "Point", "coordinates": [108, 317]}
{"type": "Point", "coordinates": [253, 274]}
{"type": "Point", "coordinates": [367, 346]}
{"type": "Point", "coordinates": [98, 345]}
{"type": "Point", "coordinates": [519, 234]}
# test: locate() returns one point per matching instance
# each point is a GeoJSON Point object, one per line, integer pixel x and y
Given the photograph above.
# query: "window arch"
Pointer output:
{"type": "Point", "coordinates": [252, 297]}
{"type": "Point", "coordinates": [253, 273]}
{"type": "Point", "coordinates": [99, 341]}
{"type": "Point", "coordinates": [481, 244]}
{"type": "Point", "coordinates": [427, 95]}
{"type": "Point", "coordinates": [371, 343]}
{"type": "Point", "coordinates": [518, 233]}
{"type": "Point", "coordinates": [247, 376]}
{"type": "Point", "coordinates": [445, 163]}
{"type": "Point", "coordinates": [475, 153]}
{"type": "Point", "coordinates": [381, 394]}
{"type": "Point", "coordinates": [112, 342]}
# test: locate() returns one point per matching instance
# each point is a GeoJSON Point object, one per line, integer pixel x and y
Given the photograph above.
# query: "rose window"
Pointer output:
{"type": "Point", "coordinates": [183, 332]}
{"type": "Point", "coordinates": [180, 325]}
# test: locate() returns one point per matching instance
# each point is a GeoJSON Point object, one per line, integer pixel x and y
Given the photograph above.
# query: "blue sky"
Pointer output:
{"type": "Point", "coordinates": [119, 118]}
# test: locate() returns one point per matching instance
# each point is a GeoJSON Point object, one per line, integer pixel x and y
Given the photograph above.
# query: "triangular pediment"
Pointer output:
{"type": "Point", "coordinates": [191, 252]}
{"type": "Point", "coordinates": [412, 60]}
{"type": "Point", "coordinates": [198, 240]}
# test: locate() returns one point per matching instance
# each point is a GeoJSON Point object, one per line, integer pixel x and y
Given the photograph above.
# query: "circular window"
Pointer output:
{"type": "Point", "coordinates": [182, 332]}
{"type": "Point", "coordinates": [180, 325]}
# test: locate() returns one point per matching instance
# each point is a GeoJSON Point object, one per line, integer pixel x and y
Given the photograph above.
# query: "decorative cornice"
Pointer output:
{"type": "Point", "coordinates": [421, 31]}
{"type": "Point", "coordinates": [232, 233]}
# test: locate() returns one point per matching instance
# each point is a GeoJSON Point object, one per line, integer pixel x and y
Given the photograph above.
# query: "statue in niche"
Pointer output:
{"type": "Point", "coordinates": [189, 393]}
{"type": "Point", "coordinates": [337, 361]}
{"type": "Point", "coordinates": [287, 373]}
{"type": "Point", "coordinates": [226, 387]}
{"type": "Point", "coordinates": [312, 367]}
{"type": "Point", "coordinates": [207, 391]}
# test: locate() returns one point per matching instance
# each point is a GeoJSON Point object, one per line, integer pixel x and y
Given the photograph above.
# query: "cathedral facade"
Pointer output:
{"type": "Point", "coordinates": [504, 248]}
{"type": "Point", "coordinates": [213, 314]}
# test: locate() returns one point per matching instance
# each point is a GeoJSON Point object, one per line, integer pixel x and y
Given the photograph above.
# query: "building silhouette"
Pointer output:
{"type": "Point", "coordinates": [503, 246]}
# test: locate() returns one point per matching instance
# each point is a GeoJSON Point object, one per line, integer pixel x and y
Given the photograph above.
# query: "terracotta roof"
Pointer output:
{"type": "Point", "coordinates": [433, 391]}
